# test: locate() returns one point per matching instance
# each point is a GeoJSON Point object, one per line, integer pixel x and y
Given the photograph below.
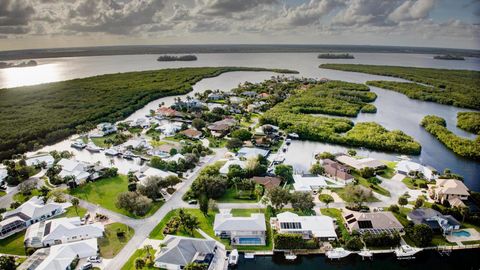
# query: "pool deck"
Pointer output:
{"type": "Point", "coordinates": [474, 236]}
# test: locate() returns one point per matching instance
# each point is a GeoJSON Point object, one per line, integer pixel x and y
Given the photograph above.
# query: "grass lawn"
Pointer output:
{"type": "Point", "coordinates": [337, 214]}
{"type": "Point", "coordinates": [139, 253]}
{"type": "Point", "coordinates": [155, 143]}
{"type": "Point", "coordinates": [206, 224]}
{"type": "Point", "coordinates": [322, 197]}
{"type": "Point", "coordinates": [389, 172]}
{"type": "Point", "coordinates": [229, 197]}
{"type": "Point", "coordinates": [100, 142]}
{"type": "Point", "coordinates": [111, 244]}
{"type": "Point", "coordinates": [19, 197]}
{"type": "Point", "coordinates": [104, 193]}
{"type": "Point", "coordinates": [402, 215]}
{"type": "Point", "coordinates": [216, 142]}
{"type": "Point", "coordinates": [439, 240]}
{"type": "Point", "coordinates": [469, 225]}
{"type": "Point", "coordinates": [172, 139]}
{"type": "Point", "coordinates": [2, 193]}
{"type": "Point", "coordinates": [341, 193]}
{"type": "Point", "coordinates": [13, 244]}
{"type": "Point", "coordinates": [413, 183]}
{"type": "Point", "coordinates": [72, 213]}
{"type": "Point", "coordinates": [476, 242]}
{"type": "Point", "coordinates": [377, 188]}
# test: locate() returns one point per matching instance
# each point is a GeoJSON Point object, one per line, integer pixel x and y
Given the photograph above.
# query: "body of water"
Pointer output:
{"type": "Point", "coordinates": [394, 110]}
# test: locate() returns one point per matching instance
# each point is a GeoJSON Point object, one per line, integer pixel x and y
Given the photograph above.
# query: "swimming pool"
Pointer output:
{"type": "Point", "coordinates": [249, 241]}
{"type": "Point", "coordinates": [461, 233]}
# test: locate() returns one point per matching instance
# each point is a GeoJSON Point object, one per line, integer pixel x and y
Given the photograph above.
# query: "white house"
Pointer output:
{"type": "Point", "coordinates": [60, 257]}
{"type": "Point", "coordinates": [147, 171]}
{"type": "Point", "coordinates": [249, 152]}
{"type": "Point", "coordinates": [226, 167]}
{"type": "Point", "coordinates": [169, 129]}
{"type": "Point", "coordinates": [137, 143]}
{"type": "Point", "coordinates": [241, 230]}
{"type": "Point", "coordinates": [30, 212]}
{"type": "Point", "coordinates": [175, 157]}
{"type": "Point", "coordinates": [140, 122]}
{"type": "Point", "coordinates": [320, 227]}
{"type": "Point", "coordinates": [61, 231]}
{"type": "Point", "coordinates": [308, 183]}
{"type": "Point", "coordinates": [3, 175]}
{"type": "Point", "coordinates": [407, 167]}
{"type": "Point", "coordinates": [74, 168]}
{"type": "Point", "coordinates": [361, 163]}
{"type": "Point", "coordinates": [178, 251]}
{"type": "Point", "coordinates": [39, 159]}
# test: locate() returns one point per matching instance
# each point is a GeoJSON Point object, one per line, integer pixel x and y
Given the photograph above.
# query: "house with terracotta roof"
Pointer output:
{"type": "Point", "coordinates": [267, 181]}
{"type": "Point", "coordinates": [220, 128]}
{"type": "Point", "coordinates": [192, 133]}
{"type": "Point", "coordinates": [452, 190]}
{"type": "Point", "coordinates": [168, 112]}
{"type": "Point", "coordinates": [337, 171]}
{"type": "Point", "coordinates": [374, 222]}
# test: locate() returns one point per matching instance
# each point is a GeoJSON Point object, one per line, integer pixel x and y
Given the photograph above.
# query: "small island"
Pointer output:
{"type": "Point", "coordinates": [169, 58]}
{"type": "Point", "coordinates": [448, 57]}
{"type": "Point", "coordinates": [335, 56]}
{"type": "Point", "coordinates": [30, 63]}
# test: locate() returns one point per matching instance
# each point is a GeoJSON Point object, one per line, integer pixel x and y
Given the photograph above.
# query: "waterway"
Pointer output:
{"type": "Point", "coordinates": [395, 111]}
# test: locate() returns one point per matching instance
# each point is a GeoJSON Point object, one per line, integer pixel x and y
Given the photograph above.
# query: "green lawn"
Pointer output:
{"type": "Point", "coordinates": [337, 214]}
{"type": "Point", "coordinates": [439, 240]}
{"type": "Point", "coordinates": [476, 242]}
{"type": "Point", "coordinates": [72, 213]}
{"type": "Point", "coordinates": [322, 197]}
{"type": "Point", "coordinates": [229, 197]}
{"type": "Point", "coordinates": [100, 142]}
{"type": "Point", "coordinates": [216, 142]}
{"type": "Point", "coordinates": [13, 244]}
{"type": "Point", "coordinates": [2, 193]}
{"type": "Point", "coordinates": [19, 197]}
{"type": "Point", "coordinates": [341, 193]}
{"type": "Point", "coordinates": [139, 253]}
{"type": "Point", "coordinates": [389, 172]}
{"type": "Point", "coordinates": [104, 192]}
{"type": "Point", "coordinates": [413, 183]}
{"type": "Point", "coordinates": [377, 188]}
{"type": "Point", "coordinates": [111, 244]}
{"type": "Point", "coordinates": [402, 215]}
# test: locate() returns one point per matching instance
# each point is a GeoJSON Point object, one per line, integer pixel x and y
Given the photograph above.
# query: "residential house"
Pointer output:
{"type": "Point", "coordinates": [78, 169]}
{"type": "Point", "coordinates": [168, 112]}
{"type": "Point", "coordinates": [236, 100]}
{"type": "Point", "coordinates": [59, 257]}
{"type": "Point", "coordinates": [30, 212]}
{"type": "Point", "coordinates": [318, 227]}
{"type": "Point", "coordinates": [410, 168]}
{"type": "Point", "coordinates": [140, 122]}
{"type": "Point", "coordinates": [103, 129]}
{"type": "Point", "coordinates": [263, 95]}
{"type": "Point", "coordinates": [137, 143]}
{"type": "Point", "coordinates": [308, 182]}
{"type": "Point", "coordinates": [241, 230]}
{"type": "Point", "coordinates": [147, 171]}
{"type": "Point", "coordinates": [267, 182]}
{"type": "Point", "coordinates": [47, 159]}
{"type": "Point", "coordinates": [250, 94]}
{"type": "Point", "coordinates": [374, 222]}
{"type": "Point", "coordinates": [434, 219]}
{"type": "Point", "coordinates": [220, 128]}
{"type": "Point", "coordinates": [337, 171]}
{"type": "Point", "coordinates": [178, 251]}
{"type": "Point", "coordinates": [192, 133]}
{"type": "Point", "coordinates": [361, 163]}
{"type": "Point", "coordinates": [215, 96]}
{"type": "Point", "coordinates": [226, 167]}
{"type": "Point", "coordinates": [267, 130]}
{"type": "Point", "coordinates": [452, 190]}
{"type": "Point", "coordinates": [169, 129]}
{"type": "Point", "coordinates": [252, 152]}
{"type": "Point", "coordinates": [61, 231]}
{"type": "Point", "coordinates": [175, 157]}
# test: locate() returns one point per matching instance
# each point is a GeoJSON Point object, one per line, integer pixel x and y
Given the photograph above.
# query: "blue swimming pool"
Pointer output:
{"type": "Point", "coordinates": [249, 241]}
{"type": "Point", "coordinates": [461, 233]}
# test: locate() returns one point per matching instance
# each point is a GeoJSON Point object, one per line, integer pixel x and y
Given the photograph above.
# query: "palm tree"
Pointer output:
{"type": "Point", "coordinates": [139, 263]}
{"type": "Point", "coordinates": [327, 200]}
{"type": "Point", "coordinates": [75, 202]}
{"type": "Point", "coordinates": [464, 211]}
{"type": "Point", "coordinates": [148, 256]}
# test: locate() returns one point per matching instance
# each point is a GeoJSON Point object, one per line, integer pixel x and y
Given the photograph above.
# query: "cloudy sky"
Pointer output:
{"type": "Point", "coordinates": [70, 23]}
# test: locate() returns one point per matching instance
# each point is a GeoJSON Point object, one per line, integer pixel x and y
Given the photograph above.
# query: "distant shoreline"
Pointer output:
{"type": "Point", "coordinates": [30, 63]}
{"type": "Point", "coordinates": [195, 49]}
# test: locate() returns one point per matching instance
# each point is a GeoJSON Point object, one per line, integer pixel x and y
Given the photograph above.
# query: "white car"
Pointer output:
{"type": "Point", "coordinates": [95, 259]}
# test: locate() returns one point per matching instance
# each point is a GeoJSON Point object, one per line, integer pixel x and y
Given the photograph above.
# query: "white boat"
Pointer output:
{"type": "Point", "coordinates": [111, 152]}
{"type": "Point", "coordinates": [233, 257]}
{"type": "Point", "coordinates": [337, 253]}
{"type": "Point", "coordinates": [93, 148]}
{"type": "Point", "coordinates": [128, 155]}
{"type": "Point", "coordinates": [78, 144]}
{"type": "Point", "coordinates": [288, 141]}
{"type": "Point", "coordinates": [403, 157]}
{"type": "Point", "coordinates": [293, 135]}
{"type": "Point", "coordinates": [290, 256]}
{"type": "Point", "coordinates": [406, 252]}
{"type": "Point", "coordinates": [365, 253]}
{"type": "Point", "coordinates": [249, 255]}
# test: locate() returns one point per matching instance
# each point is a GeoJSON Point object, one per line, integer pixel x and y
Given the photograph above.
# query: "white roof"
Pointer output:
{"type": "Point", "coordinates": [248, 152]}
{"type": "Point", "coordinates": [308, 182]}
{"type": "Point", "coordinates": [3, 174]}
{"type": "Point", "coordinates": [149, 171]}
{"type": "Point", "coordinates": [47, 158]}
{"type": "Point", "coordinates": [61, 228]}
{"type": "Point", "coordinates": [35, 208]}
{"type": "Point", "coordinates": [320, 226]}
{"type": "Point", "coordinates": [360, 163]}
{"type": "Point", "coordinates": [176, 157]}
{"type": "Point", "coordinates": [410, 166]}
{"type": "Point", "coordinates": [227, 222]}
{"type": "Point", "coordinates": [61, 256]}
{"type": "Point", "coordinates": [71, 165]}
{"type": "Point", "coordinates": [224, 169]}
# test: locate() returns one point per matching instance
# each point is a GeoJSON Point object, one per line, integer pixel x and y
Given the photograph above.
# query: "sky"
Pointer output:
{"type": "Point", "coordinates": [26, 24]}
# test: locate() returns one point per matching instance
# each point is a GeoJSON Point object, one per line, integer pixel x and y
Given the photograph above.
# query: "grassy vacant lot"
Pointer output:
{"type": "Point", "coordinates": [139, 253]}
{"type": "Point", "coordinates": [111, 244]}
{"type": "Point", "coordinates": [413, 183]}
{"type": "Point", "coordinates": [21, 198]}
{"type": "Point", "coordinates": [13, 244]}
{"type": "Point", "coordinates": [47, 113]}
{"type": "Point", "coordinates": [229, 197]}
{"type": "Point", "coordinates": [72, 213]}
{"type": "Point", "coordinates": [375, 187]}
{"type": "Point", "coordinates": [104, 193]}
{"type": "Point", "coordinates": [452, 87]}
{"type": "Point", "coordinates": [342, 194]}
{"type": "Point", "coordinates": [389, 172]}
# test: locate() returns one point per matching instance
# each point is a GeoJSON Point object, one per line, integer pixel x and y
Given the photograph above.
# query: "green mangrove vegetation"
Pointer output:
{"type": "Point", "coordinates": [32, 116]}
{"type": "Point", "coordinates": [336, 98]}
{"type": "Point", "coordinates": [469, 121]}
{"type": "Point", "coordinates": [464, 147]}
{"type": "Point", "coordinates": [451, 87]}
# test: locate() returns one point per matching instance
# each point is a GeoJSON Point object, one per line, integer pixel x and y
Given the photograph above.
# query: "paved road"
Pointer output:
{"type": "Point", "coordinates": [7, 199]}
{"type": "Point", "coordinates": [145, 226]}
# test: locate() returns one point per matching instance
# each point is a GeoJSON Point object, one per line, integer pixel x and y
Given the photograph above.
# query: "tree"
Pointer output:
{"type": "Point", "coordinates": [317, 169]}
{"type": "Point", "coordinates": [465, 212]}
{"type": "Point", "coordinates": [352, 152]}
{"type": "Point", "coordinates": [278, 197]}
{"type": "Point", "coordinates": [212, 186]}
{"type": "Point", "coordinates": [134, 202]}
{"type": "Point", "coordinates": [241, 134]}
{"type": "Point", "coordinates": [198, 123]}
{"type": "Point", "coordinates": [203, 203]}
{"type": "Point", "coordinates": [75, 202]}
{"type": "Point", "coordinates": [325, 155]}
{"type": "Point", "coordinates": [7, 263]}
{"type": "Point", "coordinates": [139, 263]}
{"type": "Point", "coordinates": [421, 234]}
{"type": "Point", "coordinates": [354, 243]}
{"type": "Point", "coordinates": [26, 187]}
{"type": "Point", "coordinates": [196, 266]}
{"type": "Point", "coordinates": [302, 201]}
{"type": "Point", "coordinates": [234, 143]}
{"type": "Point", "coordinates": [394, 208]}
{"type": "Point", "coordinates": [419, 202]}
{"type": "Point", "coordinates": [367, 172]}
{"type": "Point", "coordinates": [285, 172]}
{"type": "Point", "coordinates": [326, 199]}
{"type": "Point", "coordinates": [402, 201]}
{"type": "Point", "coordinates": [358, 194]}
{"type": "Point", "coordinates": [235, 171]}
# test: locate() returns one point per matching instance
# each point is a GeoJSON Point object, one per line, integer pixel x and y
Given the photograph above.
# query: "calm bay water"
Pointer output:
{"type": "Point", "coordinates": [395, 111]}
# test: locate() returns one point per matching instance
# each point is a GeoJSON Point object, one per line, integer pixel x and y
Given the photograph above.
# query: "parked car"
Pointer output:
{"type": "Point", "coordinates": [95, 259]}
{"type": "Point", "coordinates": [87, 266]}
{"type": "Point", "coordinates": [192, 202]}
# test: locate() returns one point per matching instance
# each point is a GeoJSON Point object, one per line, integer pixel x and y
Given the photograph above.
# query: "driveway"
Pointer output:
{"type": "Point", "coordinates": [7, 199]}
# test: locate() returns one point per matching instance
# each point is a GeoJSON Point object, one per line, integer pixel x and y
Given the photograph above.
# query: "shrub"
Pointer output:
{"type": "Point", "coordinates": [293, 241]}
{"type": "Point", "coordinates": [354, 243]}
